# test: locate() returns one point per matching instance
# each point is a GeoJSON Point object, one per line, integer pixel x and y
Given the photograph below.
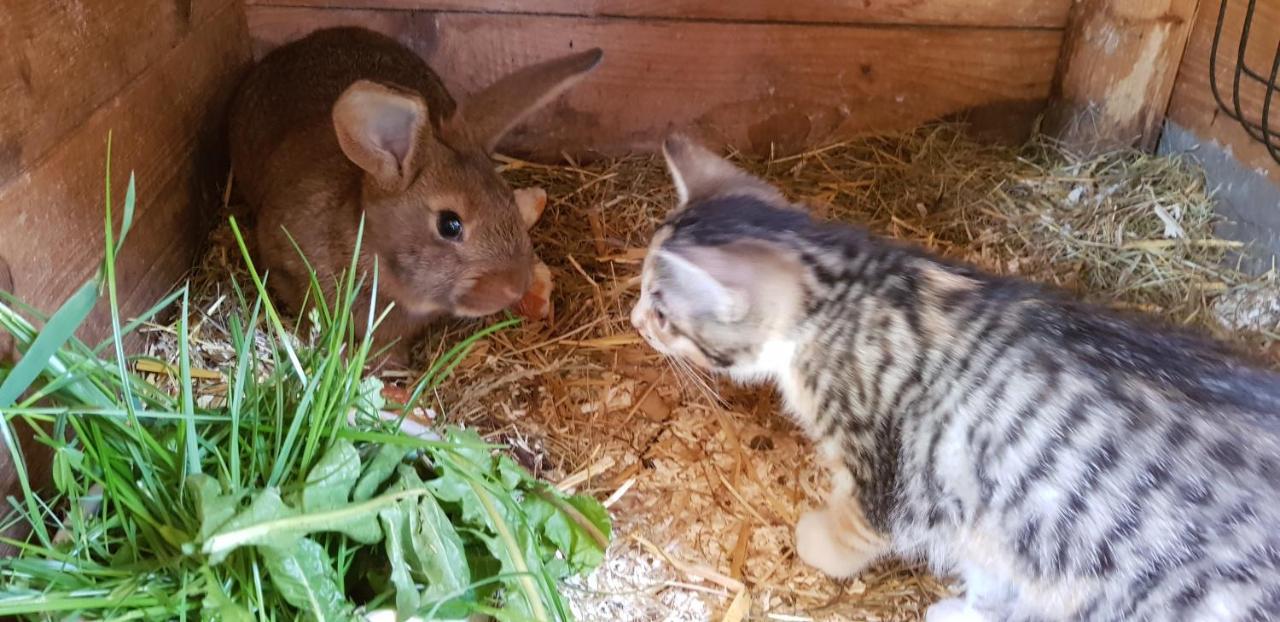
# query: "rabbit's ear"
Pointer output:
{"type": "Point", "coordinates": [531, 202]}
{"type": "Point", "coordinates": [380, 129]}
{"type": "Point", "coordinates": [491, 113]}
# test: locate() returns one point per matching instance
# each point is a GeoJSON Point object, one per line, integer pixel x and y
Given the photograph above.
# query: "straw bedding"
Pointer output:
{"type": "Point", "coordinates": [704, 479]}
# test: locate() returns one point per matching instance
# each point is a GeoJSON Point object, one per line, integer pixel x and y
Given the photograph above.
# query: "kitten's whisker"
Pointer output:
{"type": "Point", "coordinates": [681, 375]}
{"type": "Point", "coordinates": [700, 379]}
{"type": "Point", "coordinates": [704, 384]}
{"type": "Point", "coordinates": [681, 371]}
{"type": "Point", "coordinates": [713, 390]}
{"type": "Point", "coordinates": [677, 372]}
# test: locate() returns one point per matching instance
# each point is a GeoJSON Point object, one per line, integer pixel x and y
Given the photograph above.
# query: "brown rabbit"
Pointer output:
{"type": "Point", "coordinates": [345, 122]}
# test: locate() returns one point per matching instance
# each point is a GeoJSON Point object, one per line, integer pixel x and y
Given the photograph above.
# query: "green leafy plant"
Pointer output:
{"type": "Point", "coordinates": [296, 498]}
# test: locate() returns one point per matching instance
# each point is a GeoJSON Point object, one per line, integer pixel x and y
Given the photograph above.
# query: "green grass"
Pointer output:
{"type": "Point", "coordinates": [273, 506]}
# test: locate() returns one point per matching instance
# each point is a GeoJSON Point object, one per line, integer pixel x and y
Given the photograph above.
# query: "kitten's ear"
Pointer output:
{"type": "Point", "coordinates": [699, 174]}
{"type": "Point", "coordinates": [730, 281]}
{"type": "Point", "coordinates": [691, 284]}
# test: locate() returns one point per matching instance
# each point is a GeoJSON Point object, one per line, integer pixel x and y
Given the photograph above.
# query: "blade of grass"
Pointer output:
{"type": "Point", "coordinates": [130, 196]}
{"type": "Point", "coordinates": [320, 303]}
{"type": "Point", "coordinates": [109, 276]}
{"type": "Point", "coordinates": [192, 466]}
{"type": "Point", "coordinates": [140, 320]}
{"type": "Point", "coordinates": [244, 350]}
{"type": "Point", "coordinates": [272, 316]}
{"type": "Point", "coordinates": [449, 361]}
{"type": "Point", "coordinates": [60, 328]}
{"type": "Point", "coordinates": [285, 457]}
{"type": "Point", "coordinates": [62, 325]}
{"type": "Point", "coordinates": [49, 413]}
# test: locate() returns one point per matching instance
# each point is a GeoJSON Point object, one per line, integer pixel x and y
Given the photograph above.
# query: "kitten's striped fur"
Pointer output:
{"type": "Point", "coordinates": [1068, 463]}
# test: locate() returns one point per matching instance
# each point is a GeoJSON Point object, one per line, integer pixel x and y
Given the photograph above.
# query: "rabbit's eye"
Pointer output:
{"type": "Point", "coordinates": [449, 224]}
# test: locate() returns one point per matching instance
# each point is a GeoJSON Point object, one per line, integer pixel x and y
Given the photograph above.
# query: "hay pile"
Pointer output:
{"type": "Point", "coordinates": [705, 480]}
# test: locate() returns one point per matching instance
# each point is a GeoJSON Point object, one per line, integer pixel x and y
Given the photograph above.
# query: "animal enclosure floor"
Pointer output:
{"type": "Point", "coordinates": [705, 480]}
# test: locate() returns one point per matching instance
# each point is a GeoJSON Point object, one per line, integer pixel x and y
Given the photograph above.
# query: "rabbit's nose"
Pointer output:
{"type": "Point", "coordinates": [495, 291]}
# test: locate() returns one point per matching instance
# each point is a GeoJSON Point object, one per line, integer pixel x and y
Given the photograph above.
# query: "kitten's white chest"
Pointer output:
{"type": "Point", "coordinates": [775, 362]}
{"type": "Point", "coordinates": [772, 362]}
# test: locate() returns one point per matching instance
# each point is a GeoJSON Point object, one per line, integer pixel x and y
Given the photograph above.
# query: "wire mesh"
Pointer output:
{"type": "Point", "coordinates": [1245, 76]}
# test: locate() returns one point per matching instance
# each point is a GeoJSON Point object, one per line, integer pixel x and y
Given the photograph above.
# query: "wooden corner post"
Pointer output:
{"type": "Point", "coordinates": [1116, 72]}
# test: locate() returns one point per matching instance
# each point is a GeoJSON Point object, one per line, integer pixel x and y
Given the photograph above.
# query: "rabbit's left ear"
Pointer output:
{"type": "Point", "coordinates": [380, 129]}
{"type": "Point", "coordinates": [491, 113]}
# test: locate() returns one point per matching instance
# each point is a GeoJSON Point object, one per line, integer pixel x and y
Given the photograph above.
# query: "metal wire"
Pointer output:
{"type": "Point", "coordinates": [1260, 130]}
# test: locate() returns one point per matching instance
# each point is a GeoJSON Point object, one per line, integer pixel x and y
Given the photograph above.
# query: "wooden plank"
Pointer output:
{"type": "Point", "coordinates": [51, 227]}
{"type": "Point", "coordinates": [755, 86]}
{"type": "Point", "coordinates": [1003, 13]}
{"type": "Point", "coordinates": [62, 60]}
{"type": "Point", "coordinates": [1119, 61]}
{"type": "Point", "coordinates": [1193, 105]}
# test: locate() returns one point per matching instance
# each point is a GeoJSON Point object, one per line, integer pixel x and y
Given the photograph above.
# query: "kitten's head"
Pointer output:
{"type": "Point", "coordinates": [722, 284]}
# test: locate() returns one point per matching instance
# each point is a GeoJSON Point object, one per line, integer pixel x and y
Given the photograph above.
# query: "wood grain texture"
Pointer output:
{"type": "Point", "coordinates": [1193, 105]}
{"type": "Point", "coordinates": [63, 60]}
{"type": "Point", "coordinates": [51, 218]}
{"type": "Point", "coordinates": [1117, 69]}
{"type": "Point", "coordinates": [758, 87]}
{"type": "Point", "coordinates": [1004, 13]}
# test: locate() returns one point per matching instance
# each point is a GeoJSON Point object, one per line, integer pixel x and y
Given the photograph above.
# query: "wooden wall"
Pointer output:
{"type": "Point", "coordinates": [757, 74]}
{"type": "Point", "coordinates": [1194, 107]}
{"type": "Point", "coordinates": [154, 73]}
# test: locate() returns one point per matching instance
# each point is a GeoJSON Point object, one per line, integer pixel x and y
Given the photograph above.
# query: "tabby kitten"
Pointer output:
{"type": "Point", "coordinates": [1067, 463]}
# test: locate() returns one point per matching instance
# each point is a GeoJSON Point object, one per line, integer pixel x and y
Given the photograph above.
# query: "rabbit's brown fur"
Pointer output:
{"type": "Point", "coordinates": [346, 123]}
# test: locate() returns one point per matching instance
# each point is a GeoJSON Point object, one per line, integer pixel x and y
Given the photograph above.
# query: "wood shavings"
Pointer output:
{"type": "Point", "coordinates": [739, 607]}
{"type": "Point", "coordinates": [635, 586]}
{"type": "Point", "coordinates": [595, 469]}
{"type": "Point", "coordinates": [617, 494]}
{"type": "Point", "coordinates": [697, 571]}
{"type": "Point", "coordinates": [1255, 308]}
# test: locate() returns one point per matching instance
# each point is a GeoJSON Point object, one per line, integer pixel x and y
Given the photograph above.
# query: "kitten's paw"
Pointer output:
{"type": "Point", "coordinates": [952, 610]}
{"type": "Point", "coordinates": [819, 544]}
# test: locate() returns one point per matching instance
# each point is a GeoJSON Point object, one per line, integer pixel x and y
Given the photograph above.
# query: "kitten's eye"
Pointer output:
{"type": "Point", "coordinates": [449, 224]}
{"type": "Point", "coordinates": [661, 317]}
